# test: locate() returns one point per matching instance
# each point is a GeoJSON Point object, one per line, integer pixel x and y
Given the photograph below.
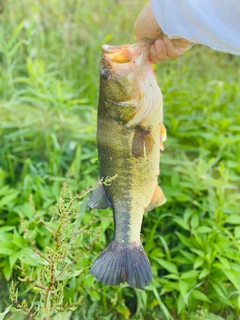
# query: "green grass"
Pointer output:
{"type": "Point", "coordinates": [49, 54]}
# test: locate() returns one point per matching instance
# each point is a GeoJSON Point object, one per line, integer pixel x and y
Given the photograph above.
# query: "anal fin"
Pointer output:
{"type": "Point", "coordinates": [98, 199]}
{"type": "Point", "coordinates": [158, 199]}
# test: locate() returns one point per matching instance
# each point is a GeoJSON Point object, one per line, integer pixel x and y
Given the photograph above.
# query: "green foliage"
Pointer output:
{"type": "Point", "coordinates": [53, 281]}
{"type": "Point", "coordinates": [49, 53]}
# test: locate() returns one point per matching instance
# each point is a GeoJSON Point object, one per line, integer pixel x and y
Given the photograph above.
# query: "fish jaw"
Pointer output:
{"type": "Point", "coordinates": [127, 58]}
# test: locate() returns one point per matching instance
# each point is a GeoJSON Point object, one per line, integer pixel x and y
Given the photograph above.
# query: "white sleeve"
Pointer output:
{"type": "Point", "coordinates": [214, 23]}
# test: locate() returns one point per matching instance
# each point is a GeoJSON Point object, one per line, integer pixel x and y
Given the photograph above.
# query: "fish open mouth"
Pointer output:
{"type": "Point", "coordinates": [136, 54]}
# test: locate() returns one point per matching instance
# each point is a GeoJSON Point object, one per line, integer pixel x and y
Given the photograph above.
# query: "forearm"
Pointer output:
{"type": "Point", "coordinates": [209, 22]}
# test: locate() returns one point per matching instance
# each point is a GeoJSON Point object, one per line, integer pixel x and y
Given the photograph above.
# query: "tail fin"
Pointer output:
{"type": "Point", "coordinates": [119, 263]}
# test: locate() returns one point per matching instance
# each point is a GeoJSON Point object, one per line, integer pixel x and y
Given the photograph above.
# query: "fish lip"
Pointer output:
{"type": "Point", "coordinates": [111, 49]}
{"type": "Point", "coordinates": [140, 46]}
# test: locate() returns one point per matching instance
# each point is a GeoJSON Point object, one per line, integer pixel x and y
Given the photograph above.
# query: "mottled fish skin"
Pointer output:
{"type": "Point", "coordinates": [130, 120]}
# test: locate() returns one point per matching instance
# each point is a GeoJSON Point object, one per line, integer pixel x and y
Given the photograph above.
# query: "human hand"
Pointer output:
{"type": "Point", "coordinates": [163, 48]}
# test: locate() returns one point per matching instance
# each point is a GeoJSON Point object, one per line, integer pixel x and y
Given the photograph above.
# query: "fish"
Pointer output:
{"type": "Point", "coordinates": [130, 134]}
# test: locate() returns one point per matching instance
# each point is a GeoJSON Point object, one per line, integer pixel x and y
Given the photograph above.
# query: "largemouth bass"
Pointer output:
{"type": "Point", "coordinates": [130, 133]}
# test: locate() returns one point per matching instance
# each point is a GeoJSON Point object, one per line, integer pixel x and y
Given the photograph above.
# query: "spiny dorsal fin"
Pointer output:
{"type": "Point", "coordinates": [98, 199]}
{"type": "Point", "coordinates": [158, 199]}
{"type": "Point", "coordinates": [163, 136]}
{"type": "Point", "coordinates": [143, 142]}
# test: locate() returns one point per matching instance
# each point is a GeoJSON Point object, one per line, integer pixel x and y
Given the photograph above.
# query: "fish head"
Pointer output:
{"type": "Point", "coordinates": [122, 70]}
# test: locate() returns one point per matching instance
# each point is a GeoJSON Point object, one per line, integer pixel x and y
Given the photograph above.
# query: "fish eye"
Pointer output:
{"type": "Point", "coordinates": [105, 74]}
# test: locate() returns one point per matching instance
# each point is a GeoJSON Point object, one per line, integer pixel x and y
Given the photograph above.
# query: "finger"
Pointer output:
{"type": "Point", "coordinates": [183, 43]}
{"type": "Point", "coordinates": [158, 51]}
{"type": "Point", "coordinates": [175, 48]}
{"type": "Point", "coordinates": [172, 52]}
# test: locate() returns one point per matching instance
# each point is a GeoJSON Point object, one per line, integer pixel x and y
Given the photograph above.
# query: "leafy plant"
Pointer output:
{"type": "Point", "coordinates": [49, 53]}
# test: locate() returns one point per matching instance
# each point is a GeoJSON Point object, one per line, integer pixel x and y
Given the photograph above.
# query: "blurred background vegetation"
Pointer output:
{"type": "Point", "coordinates": [49, 58]}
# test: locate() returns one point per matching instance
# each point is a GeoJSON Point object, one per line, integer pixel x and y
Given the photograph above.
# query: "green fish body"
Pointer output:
{"type": "Point", "coordinates": [130, 132]}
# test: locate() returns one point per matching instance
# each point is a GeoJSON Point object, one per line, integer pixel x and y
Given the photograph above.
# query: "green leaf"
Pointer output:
{"type": "Point", "coordinates": [198, 295]}
{"type": "Point", "coordinates": [7, 271]}
{"type": "Point", "coordinates": [6, 248]}
{"type": "Point", "coordinates": [237, 232]}
{"type": "Point", "coordinates": [4, 189]}
{"type": "Point", "coordinates": [234, 278]}
{"type": "Point", "coordinates": [198, 252]}
{"type": "Point", "coordinates": [181, 223]}
{"type": "Point", "coordinates": [238, 301]}
{"type": "Point", "coordinates": [190, 274]}
{"type": "Point", "coordinates": [194, 221]}
{"type": "Point", "coordinates": [157, 252]}
{"type": "Point", "coordinates": [14, 35]}
{"type": "Point", "coordinates": [95, 296]}
{"type": "Point", "coordinates": [169, 266]}
{"type": "Point", "coordinates": [181, 260]}
{"type": "Point", "coordinates": [26, 210]}
{"type": "Point", "coordinates": [182, 197]}
{"type": "Point", "coordinates": [18, 240]}
{"type": "Point", "coordinates": [199, 261]}
{"type": "Point", "coordinates": [203, 229]}
{"type": "Point", "coordinates": [225, 262]}
{"type": "Point", "coordinates": [123, 310]}
{"type": "Point", "coordinates": [190, 256]}
{"type": "Point", "coordinates": [5, 237]}
{"type": "Point", "coordinates": [235, 267]}
{"type": "Point", "coordinates": [180, 304]}
{"type": "Point", "coordinates": [186, 241]}
{"type": "Point", "coordinates": [183, 288]}
{"type": "Point", "coordinates": [233, 219]}
{"type": "Point", "coordinates": [13, 258]}
{"type": "Point", "coordinates": [142, 299]}
{"type": "Point", "coordinates": [172, 276]}
{"type": "Point", "coordinates": [8, 198]}
{"type": "Point", "coordinates": [218, 290]}
{"type": "Point", "coordinates": [204, 273]}
{"type": "Point", "coordinates": [164, 243]}
{"type": "Point", "coordinates": [88, 281]}
{"type": "Point", "coordinates": [31, 258]}
{"type": "Point", "coordinates": [5, 312]}
{"type": "Point", "coordinates": [162, 305]}
{"type": "Point", "coordinates": [198, 238]}
{"type": "Point", "coordinates": [6, 228]}
{"type": "Point", "coordinates": [170, 286]}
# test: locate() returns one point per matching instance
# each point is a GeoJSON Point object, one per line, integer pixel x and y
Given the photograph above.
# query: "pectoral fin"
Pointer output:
{"type": "Point", "coordinates": [143, 142]}
{"type": "Point", "coordinates": [98, 199]}
{"type": "Point", "coordinates": [158, 199]}
{"type": "Point", "coordinates": [163, 136]}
